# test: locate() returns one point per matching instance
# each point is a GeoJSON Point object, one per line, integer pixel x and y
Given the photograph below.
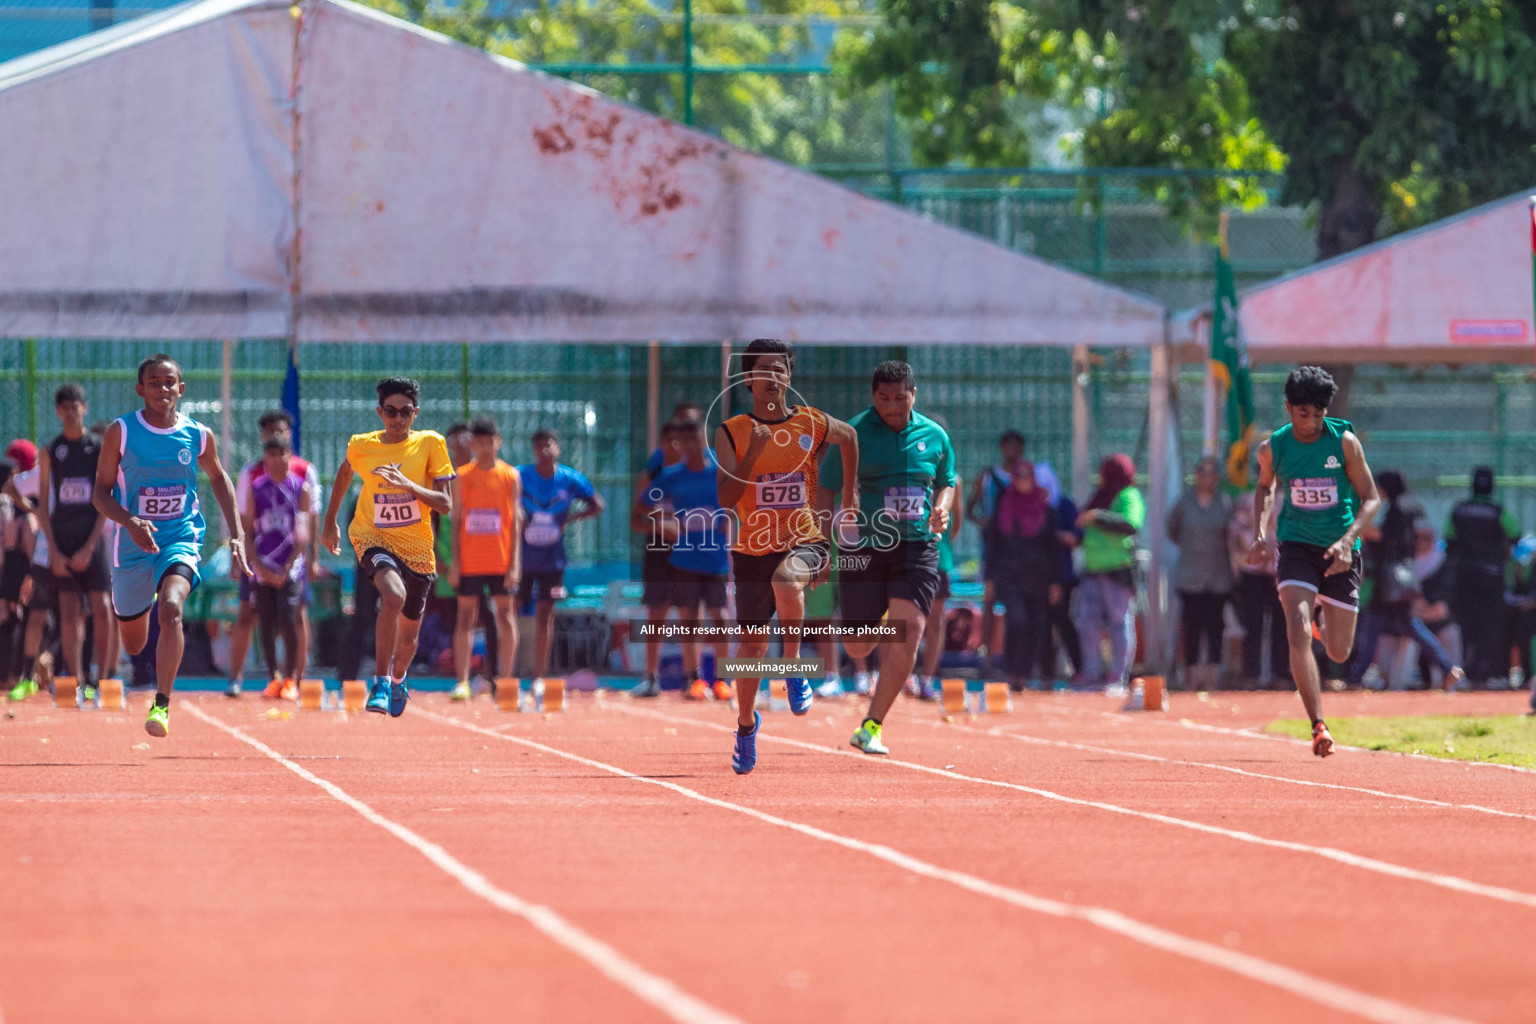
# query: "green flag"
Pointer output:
{"type": "Point", "coordinates": [1229, 365]}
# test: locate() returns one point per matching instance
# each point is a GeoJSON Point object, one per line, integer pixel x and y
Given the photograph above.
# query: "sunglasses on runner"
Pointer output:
{"type": "Point", "coordinates": [402, 411]}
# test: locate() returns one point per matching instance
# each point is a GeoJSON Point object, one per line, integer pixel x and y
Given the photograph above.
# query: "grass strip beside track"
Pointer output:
{"type": "Point", "coordinates": [1496, 739]}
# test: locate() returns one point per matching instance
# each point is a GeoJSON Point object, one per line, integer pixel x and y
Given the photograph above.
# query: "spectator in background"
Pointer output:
{"type": "Point", "coordinates": [1432, 608]}
{"type": "Point", "coordinates": [980, 506]}
{"type": "Point", "coordinates": [1478, 539]}
{"type": "Point", "coordinates": [1200, 524]}
{"type": "Point", "coordinates": [1108, 591]}
{"type": "Point", "coordinates": [1258, 599]}
{"type": "Point", "coordinates": [1391, 588]}
{"type": "Point", "coordinates": [1063, 631]}
{"type": "Point", "coordinates": [1521, 601]}
{"type": "Point", "coordinates": [554, 496]}
{"type": "Point", "coordinates": [1022, 542]}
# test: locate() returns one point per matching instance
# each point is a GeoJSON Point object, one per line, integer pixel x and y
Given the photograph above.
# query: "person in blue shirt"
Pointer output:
{"type": "Point", "coordinates": [682, 510]}
{"type": "Point", "coordinates": [153, 455]}
{"type": "Point", "coordinates": [554, 496]}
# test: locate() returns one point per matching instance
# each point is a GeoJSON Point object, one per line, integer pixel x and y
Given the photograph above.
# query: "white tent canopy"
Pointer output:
{"type": "Point", "coordinates": [155, 172]}
{"type": "Point", "coordinates": [1458, 290]}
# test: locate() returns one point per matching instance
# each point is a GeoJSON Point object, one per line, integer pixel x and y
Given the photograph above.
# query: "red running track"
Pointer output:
{"type": "Point", "coordinates": [1062, 863]}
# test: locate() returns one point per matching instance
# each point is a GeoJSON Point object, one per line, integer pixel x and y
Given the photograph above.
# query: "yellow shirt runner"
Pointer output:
{"type": "Point", "coordinates": [388, 517]}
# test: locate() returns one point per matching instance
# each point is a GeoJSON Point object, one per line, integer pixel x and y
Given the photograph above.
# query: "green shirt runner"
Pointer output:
{"type": "Point", "coordinates": [1319, 502]}
{"type": "Point", "coordinates": [898, 471]}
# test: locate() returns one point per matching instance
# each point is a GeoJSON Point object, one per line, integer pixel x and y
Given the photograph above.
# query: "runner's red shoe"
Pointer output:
{"type": "Point", "coordinates": [1322, 740]}
{"type": "Point", "coordinates": [722, 690]}
{"type": "Point", "coordinates": [697, 690]}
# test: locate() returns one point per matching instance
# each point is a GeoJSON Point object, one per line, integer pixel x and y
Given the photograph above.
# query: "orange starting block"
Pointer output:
{"type": "Point", "coordinates": [354, 695]}
{"type": "Point", "coordinates": [999, 701]}
{"type": "Point", "coordinates": [952, 696]}
{"type": "Point", "coordinates": [552, 695]}
{"type": "Point", "coordinates": [778, 695]}
{"type": "Point", "coordinates": [311, 695]}
{"type": "Point", "coordinates": [1147, 694]}
{"type": "Point", "coordinates": [110, 694]}
{"type": "Point", "coordinates": [509, 694]}
{"type": "Point", "coordinates": [65, 693]}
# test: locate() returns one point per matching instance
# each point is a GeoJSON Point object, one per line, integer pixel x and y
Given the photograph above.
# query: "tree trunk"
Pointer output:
{"type": "Point", "coordinates": [1347, 222]}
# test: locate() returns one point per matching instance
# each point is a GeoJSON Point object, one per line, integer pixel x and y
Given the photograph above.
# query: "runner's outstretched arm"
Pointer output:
{"type": "Point", "coordinates": [141, 531]}
{"type": "Point", "coordinates": [224, 494]}
{"type": "Point", "coordinates": [330, 534]}
{"type": "Point", "coordinates": [846, 438]}
{"type": "Point", "coordinates": [1341, 554]}
{"type": "Point", "coordinates": [1263, 493]}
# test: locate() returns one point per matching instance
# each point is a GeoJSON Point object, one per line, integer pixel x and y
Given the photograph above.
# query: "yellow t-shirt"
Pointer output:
{"type": "Point", "coordinates": [388, 517]}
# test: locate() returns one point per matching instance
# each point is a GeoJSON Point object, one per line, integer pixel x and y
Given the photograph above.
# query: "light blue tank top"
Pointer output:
{"type": "Point", "coordinates": [157, 480]}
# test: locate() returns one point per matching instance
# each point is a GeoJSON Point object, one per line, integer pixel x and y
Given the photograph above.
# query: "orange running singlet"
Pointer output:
{"type": "Point", "coordinates": [777, 511]}
{"type": "Point", "coordinates": [487, 519]}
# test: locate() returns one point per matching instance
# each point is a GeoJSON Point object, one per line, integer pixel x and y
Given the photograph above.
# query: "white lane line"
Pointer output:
{"type": "Point", "coordinates": [659, 992]}
{"type": "Point", "coordinates": [1288, 979]}
{"type": "Point", "coordinates": [1253, 733]}
{"type": "Point", "coordinates": [1004, 731]}
{"type": "Point", "coordinates": [1451, 882]}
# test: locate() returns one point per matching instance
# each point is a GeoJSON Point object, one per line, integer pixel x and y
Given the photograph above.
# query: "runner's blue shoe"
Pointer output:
{"type": "Point", "coordinates": [378, 695]}
{"type": "Point", "coordinates": [744, 757]}
{"type": "Point", "coordinates": [799, 692]}
{"type": "Point", "coordinates": [398, 695]}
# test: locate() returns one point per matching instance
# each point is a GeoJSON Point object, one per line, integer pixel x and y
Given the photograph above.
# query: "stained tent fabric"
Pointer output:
{"type": "Point", "coordinates": [1458, 290]}
{"type": "Point", "coordinates": [156, 173]}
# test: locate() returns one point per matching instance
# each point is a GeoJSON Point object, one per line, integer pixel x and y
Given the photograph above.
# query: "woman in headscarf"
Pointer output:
{"type": "Point", "coordinates": [1108, 590]}
{"type": "Point", "coordinates": [1025, 549]}
{"type": "Point", "coordinates": [1199, 524]}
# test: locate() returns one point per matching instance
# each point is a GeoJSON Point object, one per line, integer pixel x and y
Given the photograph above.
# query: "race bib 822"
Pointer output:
{"type": "Point", "coordinates": [162, 501]}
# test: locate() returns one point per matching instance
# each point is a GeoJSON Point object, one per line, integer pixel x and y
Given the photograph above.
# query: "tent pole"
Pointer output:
{"type": "Point", "coordinates": [653, 394]}
{"type": "Point", "coordinates": [1211, 398]}
{"type": "Point", "coordinates": [1082, 474]}
{"type": "Point", "coordinates": [1157, 500]}
{"type": "Point", "coordinates": [725, 377]}
{"type": "Point", "coordinates": [226, 399]}
{"type": "Point", "coordinates": [31, 387]}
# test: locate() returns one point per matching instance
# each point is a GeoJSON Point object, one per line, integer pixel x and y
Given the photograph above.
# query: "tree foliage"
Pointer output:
{"type": "Point", "coordinates": [1381, 112]}
{"type": "Point", "coordinates": [796, 117]}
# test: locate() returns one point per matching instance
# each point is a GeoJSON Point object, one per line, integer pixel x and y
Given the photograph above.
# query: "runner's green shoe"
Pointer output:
{"type": "Point", "coordinates": [867, 738]}
{"type": "Point", "coordinates": [461, 691]}
{"type": "Point", "coordinates": [88, 693]}
{"type": "Point", "coordinates": [159, 721]}
{"type": "Point", "coordinates": [24, 689]}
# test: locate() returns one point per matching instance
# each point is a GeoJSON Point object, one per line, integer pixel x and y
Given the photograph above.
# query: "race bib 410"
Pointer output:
{"type": "Point", "coordinates": [391, 511]}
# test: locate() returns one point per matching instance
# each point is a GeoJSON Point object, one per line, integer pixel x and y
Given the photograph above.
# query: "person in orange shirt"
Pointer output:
{"type": "Point", "coordinates": [485, 554]}
{"type": "Point", "coordinates": [767, 462]}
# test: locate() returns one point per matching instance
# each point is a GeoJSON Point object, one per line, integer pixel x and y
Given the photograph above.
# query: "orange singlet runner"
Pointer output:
{"type": "Point", "coordinates": [777, 509]}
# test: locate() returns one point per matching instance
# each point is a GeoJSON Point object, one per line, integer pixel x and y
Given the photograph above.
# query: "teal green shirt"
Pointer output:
{"type": "Point", "coordinates": [1106, 551]}
{"type": "Point", "coordinates": [898, 472]}
{"type": "Point", "coordinates": [1317, 501]}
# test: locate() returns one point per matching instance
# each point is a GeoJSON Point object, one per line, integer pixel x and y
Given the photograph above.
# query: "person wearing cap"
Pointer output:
{"type": "Point", "coordinates": [1477, 542]}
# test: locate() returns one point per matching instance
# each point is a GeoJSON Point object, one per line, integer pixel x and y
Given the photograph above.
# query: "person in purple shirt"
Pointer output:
{"type": "Point", "coordinates": [276, 514]}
